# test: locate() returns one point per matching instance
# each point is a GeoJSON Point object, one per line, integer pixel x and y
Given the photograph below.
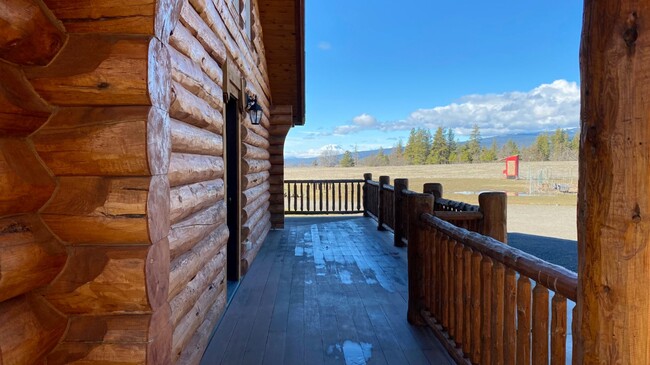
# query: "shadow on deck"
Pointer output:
{"type": "Point", "coordinates": [324, 291]}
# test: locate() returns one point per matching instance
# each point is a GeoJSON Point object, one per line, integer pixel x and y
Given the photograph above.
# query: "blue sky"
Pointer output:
{"type": "Point", "coordinates": [375, 69]}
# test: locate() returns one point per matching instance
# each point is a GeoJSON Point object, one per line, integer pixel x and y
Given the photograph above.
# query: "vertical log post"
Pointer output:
{"type": "Point", "coordinates": [494, 207]}
{"type": "Point", "coordinates": [434, 189]}
{"type": "Point", "coordinates": [366, 177]}
{"type": "Point", "coordinates": [419, 204]}
{"type": "Point", "coordinates": [613, 190]}
{"type": "Point", "coordinates": [383, 180]}
{"type": "Point", "coordinates": [401, 211]}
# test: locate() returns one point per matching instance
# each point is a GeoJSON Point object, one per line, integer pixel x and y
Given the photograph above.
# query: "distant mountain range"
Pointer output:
{"type": "Point", "coordinates": [521, 139]}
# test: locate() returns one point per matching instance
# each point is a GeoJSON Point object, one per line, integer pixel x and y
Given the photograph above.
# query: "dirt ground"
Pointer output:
{"type": "Point", "coordinates": [557, 221]}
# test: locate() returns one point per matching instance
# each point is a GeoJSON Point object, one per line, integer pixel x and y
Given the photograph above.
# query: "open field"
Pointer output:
{"type": "Point", "coordinates": [534, 207]}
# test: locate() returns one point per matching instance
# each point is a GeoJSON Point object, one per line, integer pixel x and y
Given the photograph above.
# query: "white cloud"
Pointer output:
{"type": "Point", "coordinates": [546, 107]}
{"type": "Point", "coordinates": [325, 46]}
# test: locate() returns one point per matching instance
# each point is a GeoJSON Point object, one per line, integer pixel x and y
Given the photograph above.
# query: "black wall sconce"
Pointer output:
{"type": "Point", "coordinates": [254, 109]}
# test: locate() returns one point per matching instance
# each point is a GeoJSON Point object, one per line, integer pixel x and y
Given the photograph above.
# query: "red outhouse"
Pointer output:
{"type": "Point", "coordinates": [512, 167]}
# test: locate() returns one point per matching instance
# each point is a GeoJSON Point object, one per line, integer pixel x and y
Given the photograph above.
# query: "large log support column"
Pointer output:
{"type": "Point", "coordinates": [281, 122]}
{"type": "Point", "coordinates": [494, 207]}
{"type": "Point", "coordinates": [613, 315]}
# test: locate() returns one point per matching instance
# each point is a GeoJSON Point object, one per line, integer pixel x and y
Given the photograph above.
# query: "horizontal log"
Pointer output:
{"type": "Point", "coordinates": [276, 179]}
{"type": "Point", "coordinates": [107, 141]}
{"type": "Point", "coordinates": [141, 17]}
{"type": "Point", "coordinates": [199, 29]}
{"type": "Point", "coordinates": [251, 208]}
{"type": "Point", "coordinates": [96, 210]}
{"type": "Point", "coordinates": [183, 41]}
{"type": "Point", "coordinates": [116, 337]}
{"type": "Point", "coordinates": [258, 230]}
{"type": "Point", "coordinates": [277, 140]}
{"type": "Point", "coordinates": [276, 150]}
{"type": "Point", "coordinates": [260, 130]}
{"type": "Point", "coordinates": [276, 159]}
{"type": "Point", "coordinates": [250, 254]}
{"type": "Point", "coordinates": [249, 136]}
{"type": "Point", "coordinates": [187, 265]}
{"type": "Point", "coordinates": [22, 111]}
{"type": "Point", "coordinates": [28, 36]}
{"type": "Point", "coordinates": [191, 109]}
{"type": "Point", "coordinates": [276, 208]}
{"type": "Point", "coordinates": [279, 130]}
{"type": "Point", "coordinates": [187, 233]}
{"type": "Point", "coordinates": [210, 276]}
{"type": "Point", "coordinates": [188, 168]}
{"type": "Point", "coordinates": [193, 351]}
{"type": "Point", "coordinates": [30, 257]}
{"type": "Point", "coordinates": [253, 166]}
{"type": "Point", "coordinates": [250, 195]}
{"type": "Point", "coordinates": [254, 153]}
{"type": "Point", "coordinates": [282, 110]}
{"type": "Point", "coordinates": [188, 199]}
{"type": "Point", "coordinates": [254, 220]}
{"type": "Point", "coordinates": [254, 179]}
{"type": "Point", "coordinates": [282, 119]}
{"type": "Point", "coordinates": [187, 138]}
{"type": "Point", "coordinates": [188, 325]}
{"type": "Point", "coordinates": [29, 329]}
{"type": "Point", "coordinates": [105, 280]}
{"type": "Point", "coordinates": [25, 184]}
{"type": "Point", "coordinates": [458, 216]}
{"type": "Point", "coordinates": [190, 75]}
{"type": "Point", "coordinates": [114, 73]}
{"type": "Point", "coordinates": [277, 198]}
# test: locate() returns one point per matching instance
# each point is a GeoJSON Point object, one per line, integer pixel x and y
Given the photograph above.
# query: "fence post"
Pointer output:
{"type": "Point", "coordinates": [401, 212]}
{"type": "Point", "coordinates": [366, 177]}
{"type": "Point", "coordinates": [380, 202]}
{"type": "Point", "coordinates": [419, 204]}
{"type": "Point", "coordinates": [434, 189]}
{"type": "Point", "coordinates": [494, 207]}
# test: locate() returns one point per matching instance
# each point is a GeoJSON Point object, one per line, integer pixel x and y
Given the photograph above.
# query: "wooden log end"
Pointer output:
{"type": "Point", "coordinates": [159, 75]}
{"type": "Point", "coordinates": [158, 207]}
{"type": "Point", "coordinates": [159, 142]}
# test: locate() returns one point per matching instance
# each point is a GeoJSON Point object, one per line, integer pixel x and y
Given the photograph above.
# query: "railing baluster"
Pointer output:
{"type": "Point", "coordinates": [451, 264]}
{"type": "Point", "coordinates": [308, 197]}
{"type": "Point", "coordinates": [540, 325]}
{"type": "Point", "coordinates": [431, 280]}
{"type": "Point", "coordinates": [558, 330]}
{"type": "Point", "coordinates": [458, 292]}
{"type": "Point", "coordinates": [320, 200]}
{"type": "Point", "coordinates": [302, 197]}
{"type": "Point", "coordinates": [475, 349]}
{"type": "Point", "coordinates": [486, 310]}
{"type": "Point", "coordinates": [340, 196]}
{"type": "Point", "coordinates": [467, 300]}
{"type": "Point", "coordinates": [346, 196]}
{"type": "Point", "coordinates": [295, 197]}
{"type": "Point", "coordinates": [523, 320]}
{"type": "Point", "coordinates": [498, 282]}
{"type": "Point", "coordinates": [444, 279]}
{"type": "Point", "coordinates": [510, 319]}
{"type": "Point", "coordinates": [358, 196]}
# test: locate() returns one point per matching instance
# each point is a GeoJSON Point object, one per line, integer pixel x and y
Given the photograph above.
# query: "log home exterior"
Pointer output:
{"type": "Point", "coordinates": [123, 132]}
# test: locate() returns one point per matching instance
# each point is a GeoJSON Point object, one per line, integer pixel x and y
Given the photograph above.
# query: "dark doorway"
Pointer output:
{"type": "Point", "coordinates": [231, 160]}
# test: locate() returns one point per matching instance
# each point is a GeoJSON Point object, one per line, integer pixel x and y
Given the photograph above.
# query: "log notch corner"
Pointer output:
{"type": "Point", "coordinates": [84, 192]}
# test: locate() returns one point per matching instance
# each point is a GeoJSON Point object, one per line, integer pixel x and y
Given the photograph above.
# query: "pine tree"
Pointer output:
{"type": "Point", "coordinates": [418, 146]}
{"type": "Point", "coordinates": [541, 148]}
{"type": "Point", "coordinates": [560, 145]}
{"type": "Point", "coordinates": [397, 156]}
{"type": "Point", "coordinates": [575, 142]}
{"type": "Point", "coordinates": [439, 153]}
{"type": "Point", "coordinates": [347, 160]}
{"type": "Point", "coordinates": [452, 146]}
{"type": "Point", "coordinates": [490, 154]}
{"type": "Point", "coordinates": [510, 149]}
{"type": "Point", "coordinates": [474, 144]}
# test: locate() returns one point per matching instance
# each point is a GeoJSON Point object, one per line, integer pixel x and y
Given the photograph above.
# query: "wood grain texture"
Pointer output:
{"type": "Point", "coordinates": [188, 199]}
{"type": "Point", "coordinates": [183, 41]}
{"type": "Point", "coordinates": [187, 233]}
{"type": "Point", "coordinates": [30, 257]}
{"type": "Point", "coordinates": [114, 73]}
{"type": "Point", "coordinates": [187, 138]}
{"type": "Point", "coordinates": [190, 75]}
{"type": "Point", "coordinates": [22, 110]}
{"type": "Point", "coordinates": [29, 329]}
{"type": "Point", "coordinates": [28, 34]}
{"type": "Point", "coordinates": [25, 184]}
{"type": "Point", "coordinates": [614, 186]}
{"type": "Point", "coordinates": [191, 109]}
{"type": "Point", "coordinates": [189, 168]}
{"type": "Point", "coordinates": [96, 210]}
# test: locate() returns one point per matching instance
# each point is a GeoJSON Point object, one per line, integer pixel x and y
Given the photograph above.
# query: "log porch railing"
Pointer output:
{"type": "Point", "coordinates": [387, 204]}
{"type": "Point", "coordinates": [475, 293]}
{"type": "Point", "coordinates": [323, 196]}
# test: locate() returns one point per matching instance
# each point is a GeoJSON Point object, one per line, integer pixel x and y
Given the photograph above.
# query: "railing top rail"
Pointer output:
{"type": "Point", "coordinates": [458, 216]}
{"type": "Point", "coordinates": [389, 187]}
{"type": "Point", "coordinates": [373, 183]}
{"type": "Point", "coordinates": [325, 181]}
{"type": "Point", "coordinates": [554, 277]}
{"type": "Point", "coordinates": [457, 205]}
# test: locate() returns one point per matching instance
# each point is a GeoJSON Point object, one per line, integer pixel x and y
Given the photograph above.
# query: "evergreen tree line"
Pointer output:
{"type": "Point", "coordinates": [423, 148]}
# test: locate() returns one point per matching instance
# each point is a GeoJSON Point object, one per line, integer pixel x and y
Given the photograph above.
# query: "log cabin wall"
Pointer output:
{"type": "Point", "coordinates": [112, 211]}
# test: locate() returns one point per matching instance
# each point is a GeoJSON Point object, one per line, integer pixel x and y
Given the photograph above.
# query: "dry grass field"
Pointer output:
{"type": "Point", "coordinates": [535, 204]}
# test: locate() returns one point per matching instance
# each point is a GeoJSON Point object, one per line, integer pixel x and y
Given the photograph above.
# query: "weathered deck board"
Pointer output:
{"type": "Point", "coordinates": [324, 291]}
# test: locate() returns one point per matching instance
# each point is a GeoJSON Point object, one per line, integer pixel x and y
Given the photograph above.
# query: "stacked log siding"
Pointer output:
{"type": "Point", "coordinates": [113, 231]}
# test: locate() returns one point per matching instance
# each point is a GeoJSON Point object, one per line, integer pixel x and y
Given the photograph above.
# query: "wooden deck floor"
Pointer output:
{"type": "Point", "coordinates": [324, 291]}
